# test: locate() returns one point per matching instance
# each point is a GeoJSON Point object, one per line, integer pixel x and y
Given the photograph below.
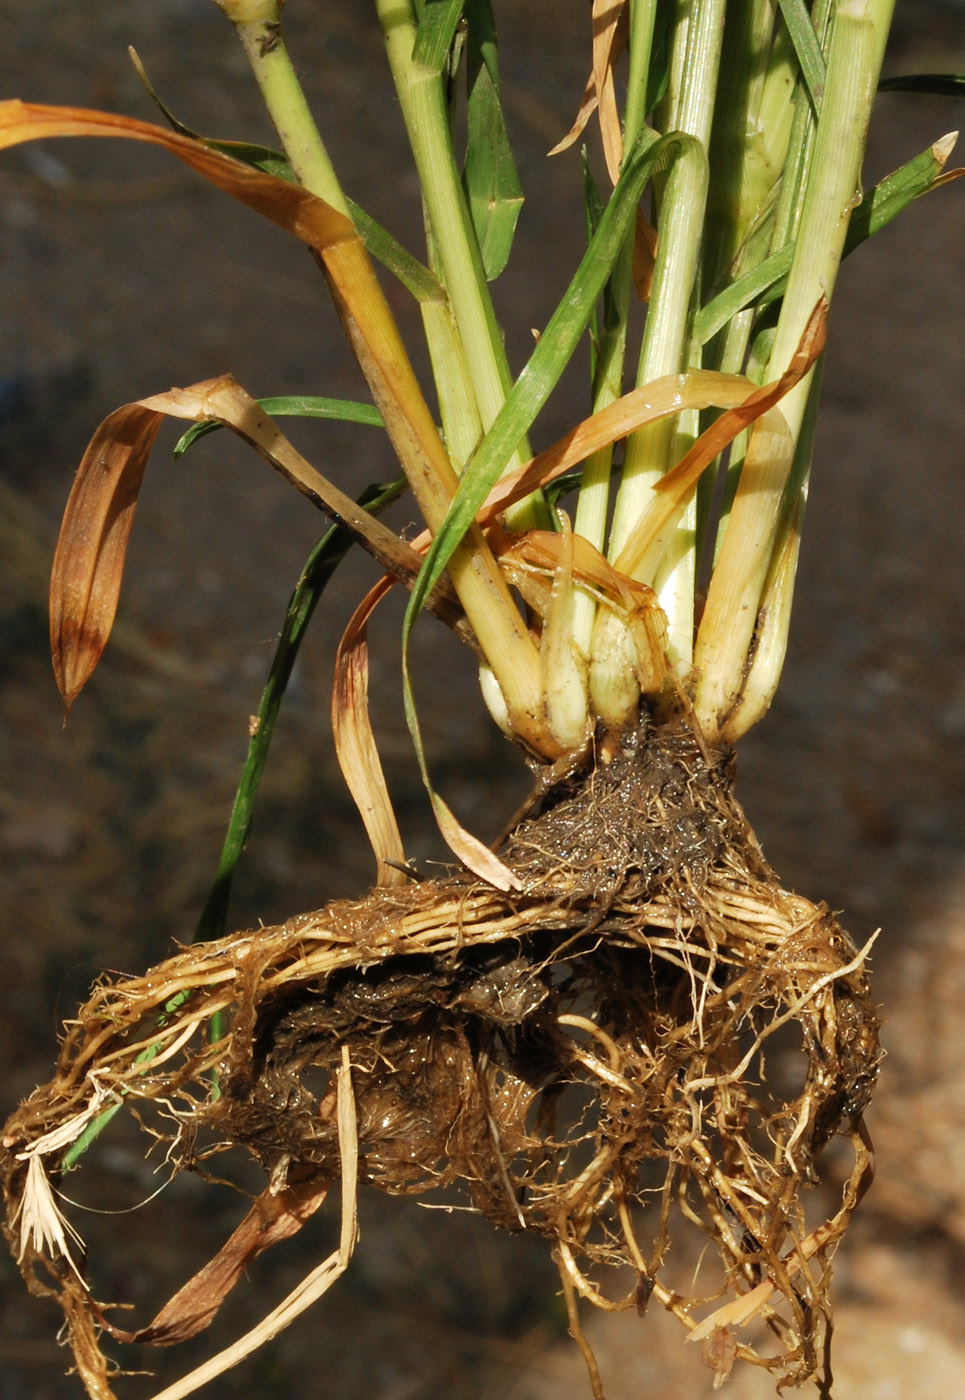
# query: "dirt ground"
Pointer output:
{"type": "Point", "coordinates": [123, 275]}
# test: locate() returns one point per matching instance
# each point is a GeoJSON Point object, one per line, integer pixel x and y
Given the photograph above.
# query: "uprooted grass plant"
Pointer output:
{"type": "Point", "coordinates": [585, 1032]}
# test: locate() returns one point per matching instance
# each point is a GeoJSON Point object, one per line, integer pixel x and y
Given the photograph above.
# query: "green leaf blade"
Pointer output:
{"type": "Point", "coordinates": [766, 282]}
{"type": "Point", "coordinates": [294, 406]}
{"type": "Point", "coordinates": [490, 176]}
{"type": "Point", "coordinates": [807, 48]}
{"type": "Point", "coordinates": [438, 21]}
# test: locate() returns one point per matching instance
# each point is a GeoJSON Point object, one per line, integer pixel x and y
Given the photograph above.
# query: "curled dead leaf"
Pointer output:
{"type": "Point", "coordinates": [272, 1218]}
{"type": "Point", "coordinates": [92, 546]}
{"type": "Point", "coordinates": [661, 398]}
{"type": "Point", "coordinates": [310, 219]}
{"type": "Point", "coordinates": [355, 747]}
{"type": "Point", "coordinates": [611, 33]}
{"type": "Point", "coordinates": [470, 850]}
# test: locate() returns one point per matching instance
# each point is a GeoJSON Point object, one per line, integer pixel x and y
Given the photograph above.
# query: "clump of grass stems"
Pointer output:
{"type": "Point", "coordinates": [628, 943]}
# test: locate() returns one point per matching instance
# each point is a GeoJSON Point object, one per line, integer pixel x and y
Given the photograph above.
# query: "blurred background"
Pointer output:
{"type": "Point", "coordinates": [123, 274]}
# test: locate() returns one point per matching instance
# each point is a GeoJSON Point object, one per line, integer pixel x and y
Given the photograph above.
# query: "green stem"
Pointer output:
{"type": "Point", "coordinates": [682, 205]}
{"type": "Point", "coordinates": [374, 337]}
{"type": "Point", "coordinates": [593, 502]}
{"type": "Point", "coordinates": [860, 29]}
{"type": "Point", "coordinates": [258, 24]}
{"type": "Point", "coordinates": [732, 614]}
{"type": "Point", "coordinates": [592, 507]}
{"type": "Point", "coordinates": [422, 96]}
{"type": "Point", "coordinates": [682, 211]}
{"type": "Point", "coordinates": [643, 15]}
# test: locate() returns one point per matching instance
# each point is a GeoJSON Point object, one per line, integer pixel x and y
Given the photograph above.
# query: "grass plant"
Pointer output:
{"type": "Point", "coordinates": [571, 1029]}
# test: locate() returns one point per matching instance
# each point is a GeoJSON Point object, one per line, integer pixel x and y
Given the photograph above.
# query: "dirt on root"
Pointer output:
{"type": "Point", "coordinates": [562, 1055]}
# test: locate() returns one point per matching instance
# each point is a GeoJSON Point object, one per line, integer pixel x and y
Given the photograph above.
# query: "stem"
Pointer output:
{"type": "Point", "coordinates": [681, 226]}
{"type": "Point", "coordinates": [258, 24]}
{"type": "Point", "coordinates": [594, 495]}
{"type": "Point", "coordinates": [422, 97]}
{"type": "Point", "coordinates": [732, 613]}
{"type": "Point", "coordinates": [749, 147]}
{"type": "Point", "coordinates": [373, 335]}
{"type": "Point", "coordinates": [665, 351]}
{"type": "Point", "coordinates": [858, 35]}
{"type": "Point", "coordinates": [593, 501]}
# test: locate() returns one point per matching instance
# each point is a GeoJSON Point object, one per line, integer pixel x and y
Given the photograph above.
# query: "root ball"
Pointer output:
{"type": "Point", "coordinates": [651, 1035]}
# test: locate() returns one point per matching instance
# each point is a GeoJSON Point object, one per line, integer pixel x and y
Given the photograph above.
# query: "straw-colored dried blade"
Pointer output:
{"type": "Point", "coordinates": [661, 398]}
{"type": "Point", "coordinates": [470, 850]}
{"type": "Point", "coordinates": [315, 1284]}
{"type": "Point", "coordinates": [610, 34]}
{"type": "Point", "coordinates": [355, 747]}
{"type": "Point", "coordinates": [89, 559]}
{"type": "Point", "coordinates": [225, 401]}
{"type": "Point", "coordinates": [588, 104]}
{"type": "Point", "coordinates": [674, 489]}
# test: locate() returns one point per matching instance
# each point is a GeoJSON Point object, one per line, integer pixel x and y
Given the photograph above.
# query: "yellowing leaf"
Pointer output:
{"type": "Point", "coordinates": [675, 487]}
{"type": "Point", "coordinates": [292, 207]}
{"type": "Point", "coordinates": [611, 32]}
{"type": "Point", "coordinates": [272, 1218]}
{"type": "Point", "coordinates": [662, 398]}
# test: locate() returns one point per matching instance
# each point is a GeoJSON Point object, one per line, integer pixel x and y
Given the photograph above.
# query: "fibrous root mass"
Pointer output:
{"type": "Point", "coordinates": [650, 1036]}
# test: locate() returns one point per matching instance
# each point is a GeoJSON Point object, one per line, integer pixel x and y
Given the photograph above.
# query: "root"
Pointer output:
{"type": "Point", "coordinates": [651, 1034]}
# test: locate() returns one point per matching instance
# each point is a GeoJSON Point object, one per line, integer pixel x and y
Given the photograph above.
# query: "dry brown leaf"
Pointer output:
{"type": "Point", "coordinates": [89, 559]}
{"type": "Point", "coordinates": [550, 553]}
{"type": "Point", "coordinates": [719, 1352]}
{"type": "Point", "coordinates": [369, 327]}
{"type": "Point", "coordinates": [272, 1218]}
{"type": "Point", "coordinates": [720, 434]}
{"type": "Point", "coordinates": [223, 400]}
{"type": "Point", "coordinates": [91, 549]}
{"type": "Point", "coordinates": [695, 388]}
{"type": "Point", "coordinates": [355, 747]}
{"type": "Point", "coordinates": [315, 1284]}
{"type": "Point", "coordinates": [310, 219]}
{"type": "Point", "coordinates": [361, 305]}
{"type": "Point", "coordinates": [587, 108]}
{"type": "Point", "coordinates": [611, 31]}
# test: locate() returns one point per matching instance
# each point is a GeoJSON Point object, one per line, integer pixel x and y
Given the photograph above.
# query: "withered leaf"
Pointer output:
{"type": "Point", "coordinates": [355, 747]}
{"type": "Point", "coordinates": [272, 1218]}
{"type": "Point", "coordinates": [292, 207]}
{"type": "Point", "coordinates": [89, 559]}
